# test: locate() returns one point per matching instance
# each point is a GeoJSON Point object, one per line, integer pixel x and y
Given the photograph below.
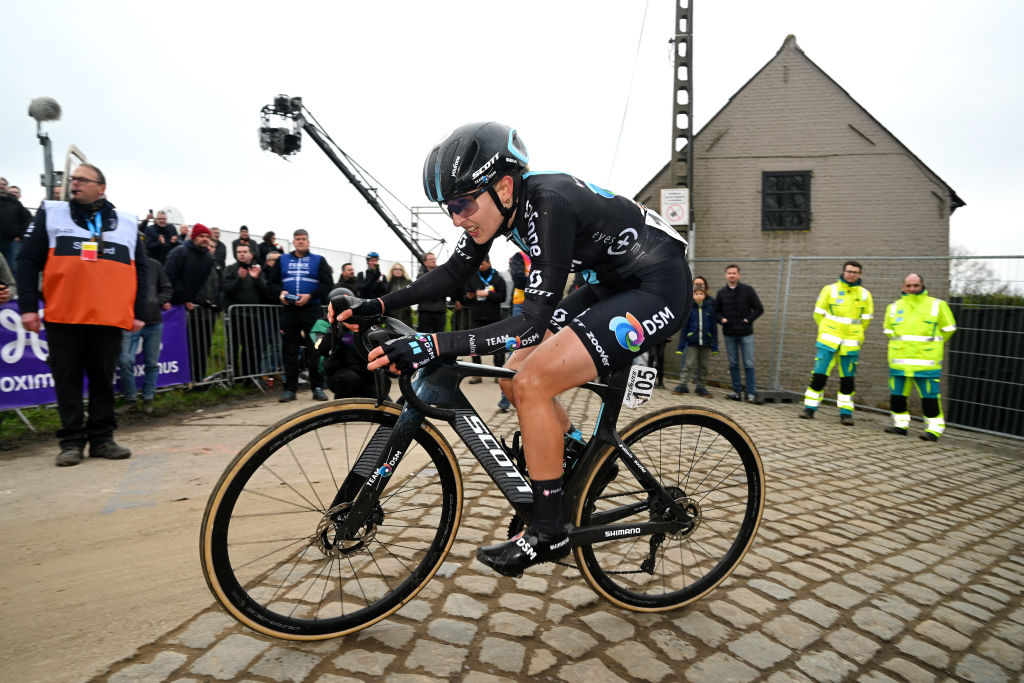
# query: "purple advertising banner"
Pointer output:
{"type": "Point", "coordinates": [25, 378]}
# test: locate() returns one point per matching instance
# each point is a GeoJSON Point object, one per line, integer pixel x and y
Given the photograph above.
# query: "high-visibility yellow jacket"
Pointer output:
{"type": "Point", "coordinates": [918, 326]}
{"type": "Point", "coordinates": [843, 311]}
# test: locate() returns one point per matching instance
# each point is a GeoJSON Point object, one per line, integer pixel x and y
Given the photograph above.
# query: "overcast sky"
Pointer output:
{"type": "Point", "coordinates": [167, 101]}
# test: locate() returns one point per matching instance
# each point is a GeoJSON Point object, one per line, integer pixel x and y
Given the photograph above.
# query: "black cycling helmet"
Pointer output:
{"type": "Point", "coordinates": [339, 291]}
{"type": "Point", "coordinates": [470, 157]}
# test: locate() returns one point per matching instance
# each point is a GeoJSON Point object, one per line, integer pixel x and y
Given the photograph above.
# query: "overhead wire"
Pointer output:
{"type": "Point", "coordinates": [629, 91]}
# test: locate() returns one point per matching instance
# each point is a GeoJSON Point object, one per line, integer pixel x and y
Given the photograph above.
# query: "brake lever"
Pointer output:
{"type": "Point", "coordinates": [380, 380]}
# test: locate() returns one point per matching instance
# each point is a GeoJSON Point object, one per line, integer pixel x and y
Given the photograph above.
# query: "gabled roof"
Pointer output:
{"type": "Point", "coordinates": [790, 43]}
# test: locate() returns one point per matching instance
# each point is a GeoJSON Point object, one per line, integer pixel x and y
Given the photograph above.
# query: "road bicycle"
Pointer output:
{"type": "Point", "coordinates": [335, 517]}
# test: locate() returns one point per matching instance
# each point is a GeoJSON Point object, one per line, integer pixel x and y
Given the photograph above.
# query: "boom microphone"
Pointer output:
{"type": "Point", "coordinates": [44, 109]}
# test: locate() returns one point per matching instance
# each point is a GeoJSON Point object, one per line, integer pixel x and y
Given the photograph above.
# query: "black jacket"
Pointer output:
{"type": "Point", "coordinates": [220, 254]}
{"type": "Point", "coordinates": [14, 219]}
{"type": "Point", "coordinates": [740, 307]}
{"type": "Point", "coordinates": [159, 292]}
{"type": "Point", "coordinates": [488, 310]}
{"type": "Point", "coordinates": [351, 285]}
{"type": "Point", "coordinates": [253, 249]}
{"type": "Point", "coordinates": [371, 284]}
{"type": "Point", "coordinates": [188, 268]}
{"type": "Point", "coordinates": [35, 249]}
{"type": "Point", "coordinates": [152, 235]}
{"type": "Point", "coordinates": [243, 290]}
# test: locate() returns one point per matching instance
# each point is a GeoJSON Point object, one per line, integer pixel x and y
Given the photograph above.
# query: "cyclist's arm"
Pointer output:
{"type": "Point", "coordinates": [437, 283]}
{"type": "Point", "coordinates": [554, 223]}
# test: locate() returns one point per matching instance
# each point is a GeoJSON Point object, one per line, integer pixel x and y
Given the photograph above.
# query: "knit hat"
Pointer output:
{"type": "Point", "coordinates": [199, 229]}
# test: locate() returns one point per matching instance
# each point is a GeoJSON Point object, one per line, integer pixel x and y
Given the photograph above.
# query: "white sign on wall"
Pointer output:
{"type": "Point", "coordinates": [675, 205]}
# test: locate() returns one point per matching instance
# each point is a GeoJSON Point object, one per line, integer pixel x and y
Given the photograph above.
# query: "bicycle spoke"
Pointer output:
{"type": "Point", "coordinates": [285, 568]}
{"type": "Point", "coordinates": [707, 466]}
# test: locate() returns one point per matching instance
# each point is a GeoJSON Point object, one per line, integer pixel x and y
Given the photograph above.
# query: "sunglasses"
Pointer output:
{"type": "Point", "coordinates": [464, 205]}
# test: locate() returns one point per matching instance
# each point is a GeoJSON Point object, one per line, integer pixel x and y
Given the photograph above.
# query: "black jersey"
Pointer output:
{"type": "Point", "coordinates": [566, 225]}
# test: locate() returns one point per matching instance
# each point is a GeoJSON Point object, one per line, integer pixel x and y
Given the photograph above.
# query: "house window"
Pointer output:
{"type": "Point", "coordinates": [786, 200]}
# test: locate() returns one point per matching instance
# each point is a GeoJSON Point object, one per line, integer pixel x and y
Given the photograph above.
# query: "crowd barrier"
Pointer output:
{"type": "Point", "coordinates": [983, 379]}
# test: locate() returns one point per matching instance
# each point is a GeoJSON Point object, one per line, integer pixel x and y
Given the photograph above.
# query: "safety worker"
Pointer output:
{"type": "Point", "coordinates": [843, 311]}
{"type": "Point", "coordinates": [918, 327]}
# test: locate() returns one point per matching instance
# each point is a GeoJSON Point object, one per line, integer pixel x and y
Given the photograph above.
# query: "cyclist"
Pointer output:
{"type": "Point", "coordinates": [637, 295]}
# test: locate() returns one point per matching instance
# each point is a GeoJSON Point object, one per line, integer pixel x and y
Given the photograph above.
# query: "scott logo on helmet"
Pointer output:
{"type": "Point", "coordinates": [483, 169]}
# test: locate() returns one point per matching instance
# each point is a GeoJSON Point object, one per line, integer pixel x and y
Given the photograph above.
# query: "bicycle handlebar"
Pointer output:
{"type": "Point", "coordinates": [418, 404]}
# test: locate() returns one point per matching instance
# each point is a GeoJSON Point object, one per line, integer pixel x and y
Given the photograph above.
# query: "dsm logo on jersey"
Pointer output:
{"type": "Point", "coordinates": [628, 331]}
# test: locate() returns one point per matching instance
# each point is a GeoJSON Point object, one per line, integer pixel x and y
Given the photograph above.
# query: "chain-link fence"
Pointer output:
{"type": "Point", "coordinates": [983, 376]}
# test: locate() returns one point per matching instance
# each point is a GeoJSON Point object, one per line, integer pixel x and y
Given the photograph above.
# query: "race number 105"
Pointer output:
{"type": "Point", "coordinates": [640, 386]}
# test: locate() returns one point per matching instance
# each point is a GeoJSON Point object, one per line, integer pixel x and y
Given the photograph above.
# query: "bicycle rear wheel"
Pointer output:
{"type": "Point", "coordinates": [710, 465]}
{"type": "Point", "coordinates": [266, 546]}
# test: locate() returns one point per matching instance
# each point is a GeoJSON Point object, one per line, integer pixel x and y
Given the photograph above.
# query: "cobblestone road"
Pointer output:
{"type": "Point", "coordinates": [880, 558]}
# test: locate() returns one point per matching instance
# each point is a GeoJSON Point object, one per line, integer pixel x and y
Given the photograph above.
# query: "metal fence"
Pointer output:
{"type": "Point", "coordinates": [983, 376]}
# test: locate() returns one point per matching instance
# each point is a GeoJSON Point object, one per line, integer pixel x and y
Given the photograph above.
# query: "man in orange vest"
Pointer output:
{"type": "Point", "coordinates": [94, 286]}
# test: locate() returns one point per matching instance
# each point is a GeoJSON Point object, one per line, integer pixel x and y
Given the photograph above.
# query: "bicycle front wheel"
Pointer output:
{"type": "Point", "coordinates": [266, 545]}
{"type": "Point", "coordinates": [712, 469]}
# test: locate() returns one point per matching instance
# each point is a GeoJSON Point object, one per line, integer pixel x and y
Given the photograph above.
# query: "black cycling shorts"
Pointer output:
{"type": "Point", "coordinates": [616, 325]}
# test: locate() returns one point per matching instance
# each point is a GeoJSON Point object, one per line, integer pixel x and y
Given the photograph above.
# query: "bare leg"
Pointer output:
{"type": "Point", "coordinates": [558, 364]}
{"type": "Point", "coordinates": [515, 362]}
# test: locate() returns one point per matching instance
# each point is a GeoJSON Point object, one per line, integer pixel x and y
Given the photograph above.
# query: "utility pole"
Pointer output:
{"type": "Point", "coordinates": [681, 166]}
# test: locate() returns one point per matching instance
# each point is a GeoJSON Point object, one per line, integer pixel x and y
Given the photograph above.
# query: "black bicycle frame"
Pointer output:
{"type": "Point", "coordinates": [437, 393]}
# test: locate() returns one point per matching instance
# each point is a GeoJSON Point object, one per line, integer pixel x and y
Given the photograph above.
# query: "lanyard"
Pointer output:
{"type": "Point", "coordinates": [96, 226]}
{"type": "Point", "coordinates": [489, 277]}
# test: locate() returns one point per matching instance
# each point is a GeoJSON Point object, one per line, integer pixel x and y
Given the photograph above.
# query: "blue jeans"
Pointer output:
{"type": "Point", "coordinates": [10, 251]}
{"type": "Point", "coordinates": [734, 346]}
{"type": "Point", "coordinates": [151, 336]}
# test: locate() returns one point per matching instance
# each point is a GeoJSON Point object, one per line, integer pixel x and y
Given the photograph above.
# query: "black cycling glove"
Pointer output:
{"type": "Point", "coordinates": [364, 308]}
{"type": "Point", "coordinates": [412, 352]}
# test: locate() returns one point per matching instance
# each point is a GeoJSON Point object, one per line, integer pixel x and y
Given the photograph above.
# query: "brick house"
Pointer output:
{"type": "Point", "coordinates": [793, 165]}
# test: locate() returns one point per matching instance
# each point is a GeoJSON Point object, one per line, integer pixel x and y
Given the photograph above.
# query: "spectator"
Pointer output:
{"type": "Point", "coordinates": [483, 296]}
{"type": "Point", "coordinates": [14, 220]}
{"type": "Point", "coordinates": [301, 280]}
{"type": "Point", "coordinates": [701, 333]}
{"type": "Point", "coordinates": [271, 261]}
{"type": "Point", "coordinates": [681, 348]}
{"type": "Point", "coordinates": [267, 246]}
{"type": "Point", "coordinates": [14, 191]}
{"type": "Point", "coordinates": [161, 237]}
{"type": "Point", "coordinates": [244, 288]}
{"type": "Point", "coordinates": [158, 299]}
{"type": "Point", "coordinates": [519, 268]}
{"type": "Point", "coordinates": [397, 280]}
{"type": "Point", "coordinates": [271, 358]}
{"type": "Point", "coordinates": [737, 306]}
{"type": "Point", "coordinates": [842, 312]}
{"type": "Point", "coordinates": [243, 238]}
{"type": "Point", "coordinates": [344, 369]}
{"type": "Point", "coordinates": [348, 279]}
{"type": "Point", "coordinates": [183, 232]}
{"type": "Point", "coordinates": [8, 290]}
{"type": "Point", "coordinates": [94, 285]}
{"type": "Point", "coordinates": [371, 284]}
{"type": "Point", "coordinates": [918, 327]}
{"type": "Point", "coordinates": [220, 250]}
{"type": "Point", "coordinates": [189, 268]}
{"type": "Point", "coordinates": [433, 314]}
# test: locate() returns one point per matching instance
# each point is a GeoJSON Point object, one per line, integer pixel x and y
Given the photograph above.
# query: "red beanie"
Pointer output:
{"type": "Point", "coordinates": [199, 229]}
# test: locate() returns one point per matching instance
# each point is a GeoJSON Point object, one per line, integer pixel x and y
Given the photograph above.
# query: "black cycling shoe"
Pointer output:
{"type": "Point", "coordinates": [526, 549]}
